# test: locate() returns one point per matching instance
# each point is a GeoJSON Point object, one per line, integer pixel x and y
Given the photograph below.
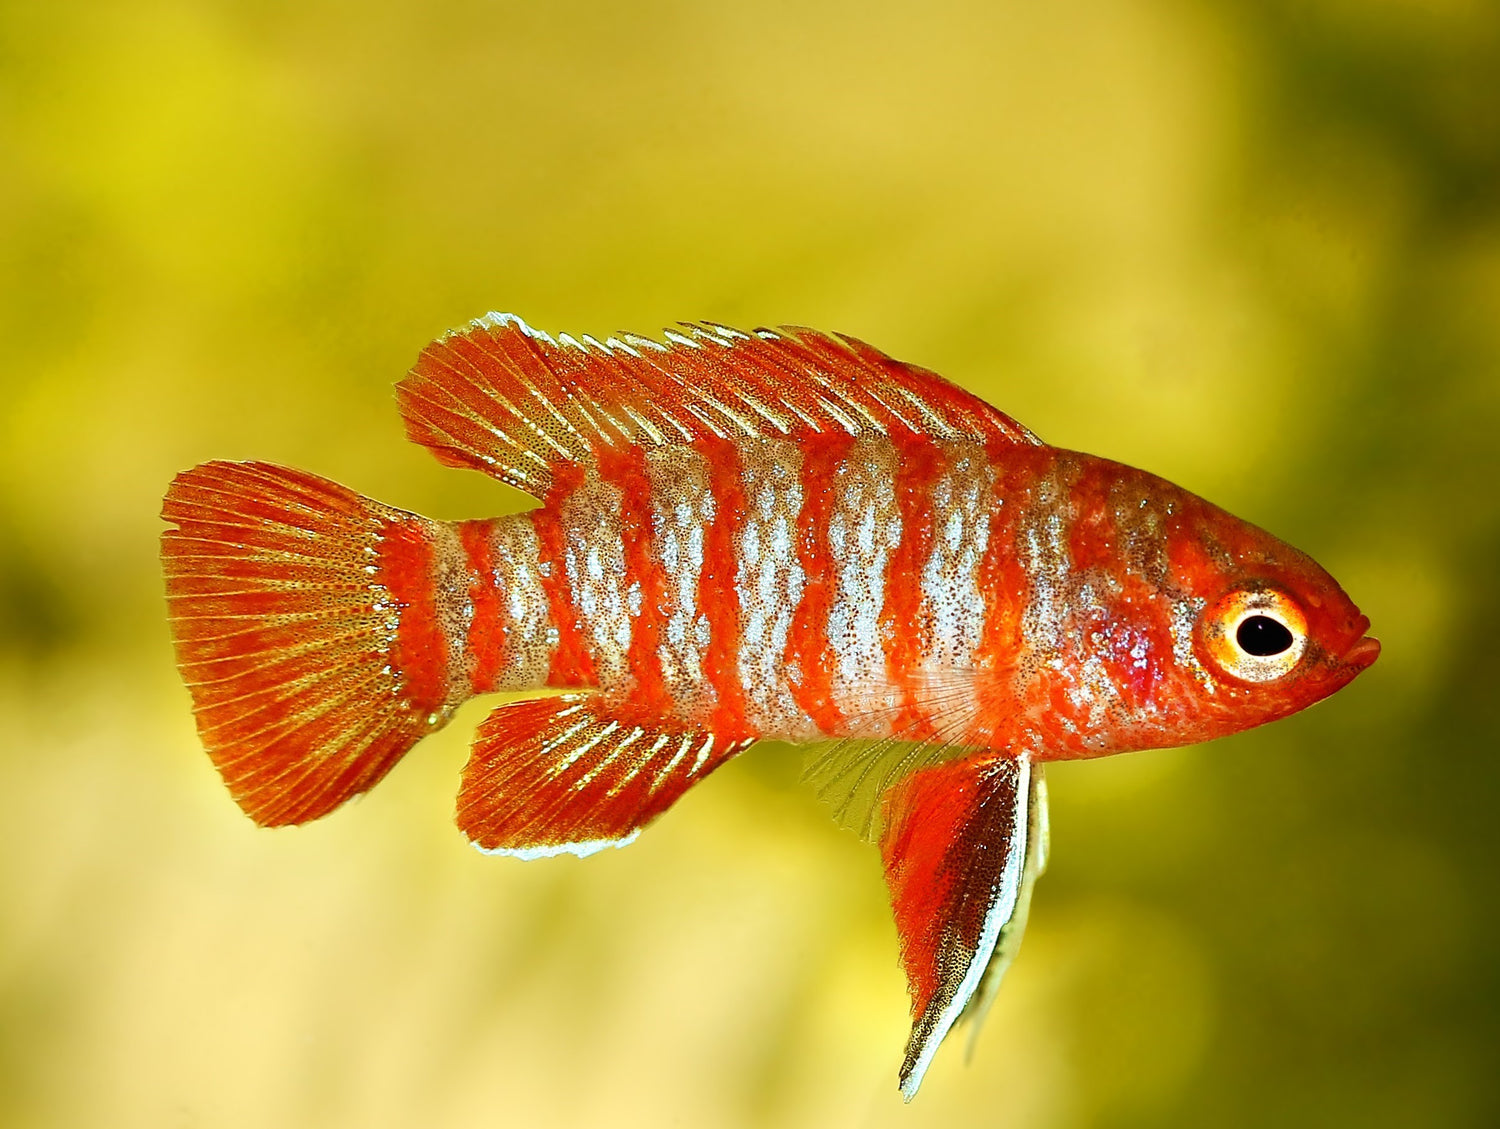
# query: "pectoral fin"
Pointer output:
{"type": "Point", "coordinates": [963, 842]}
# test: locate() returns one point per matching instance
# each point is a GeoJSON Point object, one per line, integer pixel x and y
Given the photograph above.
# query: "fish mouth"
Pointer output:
{"type": "Point", "coordinates": [1365, 649]}
{"type": "Point", "coordinates": [1363, 653]}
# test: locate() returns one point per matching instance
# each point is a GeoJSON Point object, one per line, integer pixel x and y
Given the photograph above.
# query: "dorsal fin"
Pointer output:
{"type": "Point", "coordinates": [512, 401]}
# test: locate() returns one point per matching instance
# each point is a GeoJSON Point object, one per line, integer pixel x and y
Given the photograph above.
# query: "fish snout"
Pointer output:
{"type": "Point", "coordinates": [1363, 653]}
{"type": "Point", "coordinates": [1362, 650]}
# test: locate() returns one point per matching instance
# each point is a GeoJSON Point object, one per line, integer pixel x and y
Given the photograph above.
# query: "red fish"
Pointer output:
{"type": "Point", "coordinates": [777, 534]}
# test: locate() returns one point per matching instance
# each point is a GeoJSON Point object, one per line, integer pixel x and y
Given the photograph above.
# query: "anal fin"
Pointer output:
{"type": "Point", "coordinates": [959, 852]}
{"type": "Point", "coordinates": [568, 775]}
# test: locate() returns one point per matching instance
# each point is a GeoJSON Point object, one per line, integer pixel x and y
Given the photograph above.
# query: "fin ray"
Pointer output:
{"type": "Point", "coordinates": [284, 635]}
{"type": "Point", "coordinates": [854, 775]}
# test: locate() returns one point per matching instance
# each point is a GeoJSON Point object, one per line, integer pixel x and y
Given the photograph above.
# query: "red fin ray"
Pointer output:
{"type": "Point", "coordinates": [562, 775]}
{"type": "Point", "coordinates": [513, 402]}
{"type": "Point", "coordinates": [287, 634]}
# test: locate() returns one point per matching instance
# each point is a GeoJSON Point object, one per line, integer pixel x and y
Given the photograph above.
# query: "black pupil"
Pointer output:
{"type": "Point", "coordinates": [1262, 636]}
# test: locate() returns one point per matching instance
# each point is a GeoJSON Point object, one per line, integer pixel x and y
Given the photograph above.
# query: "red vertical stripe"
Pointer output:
{"type": "Point", "coordinates": [572, 665]}
{"type": "Point", "coordinates": [1002, 579]}
{"type": "Point", "coordinates": [904, 627]}
{"type": "Point", "coordinates": [717, 594]}
{"type": "Point", "coordinates": [420, 651]}
{"type": "Point", "coordinates": [626, 469]}
{"type": "Point", "coordinates": [808, 652]}
{"type": "Point", "coordinates": [485, 645]}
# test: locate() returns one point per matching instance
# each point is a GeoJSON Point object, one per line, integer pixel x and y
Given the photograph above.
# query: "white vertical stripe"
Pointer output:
{"type": "Point", "coordinates": [953, 602]}
{"type": "Point", "coordinates": [453, 605]}
{"type": "Point", "coordinates": [682, 505]}
{"type": "Point", "coordinates": [1047, 562]}
{"type": "Point", "coordinates": [769, 580]}
{"type": "Point", "coordinates": [594, 557]}
{"type": "Point", "coordinates": [864, 528]}
{"type": "Point", "coordinates": [530, 636]}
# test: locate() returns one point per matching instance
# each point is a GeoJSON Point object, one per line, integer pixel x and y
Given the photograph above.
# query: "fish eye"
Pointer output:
{"type": "Point", "coordinates": [1256, 635]}
{"type": "Point", "coordinates": [1263, 637]}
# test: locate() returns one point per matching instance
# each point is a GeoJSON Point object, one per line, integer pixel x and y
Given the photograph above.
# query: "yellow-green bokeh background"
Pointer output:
{"type": "Point", "coordinates": [1254, 247]}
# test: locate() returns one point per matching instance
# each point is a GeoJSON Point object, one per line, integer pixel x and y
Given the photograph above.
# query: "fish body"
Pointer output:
{"type": "Point", "coordinates": [741, 536]}
{"type": "Point", "coordinates": [851, 588]}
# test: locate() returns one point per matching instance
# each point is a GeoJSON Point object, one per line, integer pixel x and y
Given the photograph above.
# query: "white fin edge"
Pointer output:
{"type": "Point", "coordinates": [1012, 932]}
{"type": "Point", "coordinates": [496, 320]}
{"type": "Point", "coordinates": [552, 850]}
{"type": "Point", "coordinates": [994, 922]}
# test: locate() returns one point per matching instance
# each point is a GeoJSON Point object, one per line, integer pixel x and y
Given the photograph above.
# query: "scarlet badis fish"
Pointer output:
{"type": "Point", "coordinates": [778, 534]}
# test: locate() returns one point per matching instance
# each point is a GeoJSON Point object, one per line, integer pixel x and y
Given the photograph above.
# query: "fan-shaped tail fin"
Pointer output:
{"type": "Point", "coordinates": [304, 621]}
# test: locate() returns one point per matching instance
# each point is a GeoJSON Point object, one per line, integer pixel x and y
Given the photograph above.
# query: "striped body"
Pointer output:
{"type": "Point", "coordinates": [864, 588]}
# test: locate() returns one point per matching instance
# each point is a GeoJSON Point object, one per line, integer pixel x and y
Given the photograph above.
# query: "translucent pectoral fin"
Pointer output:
{"type": "Point", "coordinates": [853, 777]}
{"type": "Point", "coordinates": [959, 860]}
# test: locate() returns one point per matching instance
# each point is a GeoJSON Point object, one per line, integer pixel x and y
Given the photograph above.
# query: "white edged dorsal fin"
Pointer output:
{"type": "Point", "coordinates": [512, 401]}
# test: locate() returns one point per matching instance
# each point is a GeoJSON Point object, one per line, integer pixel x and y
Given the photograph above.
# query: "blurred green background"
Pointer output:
{"type": "Point", "coordinates": [1254, 247]}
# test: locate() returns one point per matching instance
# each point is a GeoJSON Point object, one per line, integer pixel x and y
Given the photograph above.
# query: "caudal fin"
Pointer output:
{"type": "Point", "coordinates": [303, 616]}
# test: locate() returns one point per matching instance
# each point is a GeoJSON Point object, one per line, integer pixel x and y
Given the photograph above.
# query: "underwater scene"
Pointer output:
{"type": "Point", "coordinates": [1252, 248]}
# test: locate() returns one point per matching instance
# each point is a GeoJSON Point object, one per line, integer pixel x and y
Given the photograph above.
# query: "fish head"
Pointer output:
{"type": "Point", "coordinates": [1273, 632]}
